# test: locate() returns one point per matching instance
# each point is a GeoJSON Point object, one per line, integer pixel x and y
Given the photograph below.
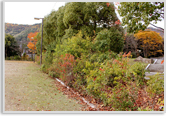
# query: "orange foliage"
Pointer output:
{"type": "Point", "coordinates": [33, 40]}
{"type": "Point", "coordinates": [150, 42]}
{"type": "Point", "coordinates": [31, 36]}
{"type": "Point", "coordinates": [127, 55]}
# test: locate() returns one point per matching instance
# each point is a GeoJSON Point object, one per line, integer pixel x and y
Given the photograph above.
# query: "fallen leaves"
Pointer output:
{"type": "Point", "coordinates": [71, 93]}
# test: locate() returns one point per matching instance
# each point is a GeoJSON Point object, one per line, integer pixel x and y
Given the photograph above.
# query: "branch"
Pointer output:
{"type": "Point", "coordinates": [162, 16]}
{"type": "Point", "coordinates": [157, 27]}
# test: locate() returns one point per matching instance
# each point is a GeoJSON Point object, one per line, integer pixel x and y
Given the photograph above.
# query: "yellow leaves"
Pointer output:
{"type": "Point", "coordinates": [149, 41]}
{"type": "Point", "coordinates": [159, 51]}
{"type": "Point", "coordinates": [148, 37]}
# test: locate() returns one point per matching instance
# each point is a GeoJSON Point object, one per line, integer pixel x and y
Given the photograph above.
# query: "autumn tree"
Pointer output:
{"type": "Point", "coordinates": [149, 42]}
{"type": "Point", "coordinates": [33, 40]}
{"type": "Point", "coordinates": [138, 15]}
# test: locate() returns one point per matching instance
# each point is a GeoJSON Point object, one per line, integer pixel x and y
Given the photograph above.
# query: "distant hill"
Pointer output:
{"type": "Point", "coordinates": [161, 33]}
{"type": "Point", "coordinates": [19, 31]}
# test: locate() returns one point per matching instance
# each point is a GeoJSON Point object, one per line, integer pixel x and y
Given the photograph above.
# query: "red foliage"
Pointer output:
{"type": "Point", "coordinates": [66, 64]}
{"type": "Point", "coordinates": [101, 69]}
{"type": "Point", "coordinates": [117, 22]}
{"type": "Point", "coordinates": [107, 4]}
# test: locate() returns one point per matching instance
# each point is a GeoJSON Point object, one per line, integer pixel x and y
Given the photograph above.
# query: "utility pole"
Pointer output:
{"type": "Point", "coordinates": [41, 38]}
{"type": "Point", "coordinates": [34, 52]}
{"type": "Point", "coordinates": [41, 41]}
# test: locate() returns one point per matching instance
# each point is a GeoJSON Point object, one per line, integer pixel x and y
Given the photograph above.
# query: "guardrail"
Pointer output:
{"type": "Point", "coordinates": [147, 66]}
{"type": "Point", "coordinates": [155, 61]}
{"type": "Point", "coordinates": [150, 64]}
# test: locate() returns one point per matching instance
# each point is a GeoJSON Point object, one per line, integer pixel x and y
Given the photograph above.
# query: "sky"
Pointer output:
{"type": "Point", "coordinates": [25, 12]}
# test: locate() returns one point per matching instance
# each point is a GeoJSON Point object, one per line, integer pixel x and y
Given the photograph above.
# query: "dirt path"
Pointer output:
{"type": "Point", "coordinates": [28, 89]}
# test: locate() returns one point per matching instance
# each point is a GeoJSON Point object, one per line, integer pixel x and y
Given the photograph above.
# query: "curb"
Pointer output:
{"type": "Point", "coordinates": [83, 99]}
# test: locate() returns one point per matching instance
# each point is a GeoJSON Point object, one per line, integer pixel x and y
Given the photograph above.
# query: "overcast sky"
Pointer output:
{"type": "Point", "coordinates": [24, 12]}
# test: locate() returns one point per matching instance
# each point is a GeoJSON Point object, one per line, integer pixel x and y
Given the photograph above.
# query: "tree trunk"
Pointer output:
{"type": "Point", "coordinates": [95, 26]}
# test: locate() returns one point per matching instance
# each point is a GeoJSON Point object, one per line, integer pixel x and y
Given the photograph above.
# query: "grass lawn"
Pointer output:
{"type": "Point", "coordinates": [28, 89]}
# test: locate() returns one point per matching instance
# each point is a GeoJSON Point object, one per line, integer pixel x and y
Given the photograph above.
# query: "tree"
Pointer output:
{"type": "Point", "coordinates": [100, 14]}
{"type": "Point", "coordinates": [138, 15]}
{"type": "Point", "coordinates": [109, 40]}
{"type": "Point", "coordinates": [74, 15]}
{"type": "Point", "coordinates": [11, 48]}
{"type": "Point", "coordinates": [90, 17]}
{"type": "Point", "coordinates": [149, 42]}
{"type": "Point", "coordinates": [33, 40]}
{"type": "Point", "coordinates": [130, 44]}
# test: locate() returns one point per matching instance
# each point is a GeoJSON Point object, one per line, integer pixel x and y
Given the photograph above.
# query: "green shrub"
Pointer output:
{"type": "Point", "coordinates": [25, 57]}
{"type": "Point", "coordinates": [101, 57]}
{"type": "Point", "coordinates": [12, 58]}
{"type": "Point", "coordinates": [7, 58]}
{"type": "Point", "coordinates": [109, 40]}
{"type": "Point", "coordinates": [155, 87]}
{"type": "Point", "coordinates": [138, 72]}
{"type": "Point", "coordinates": [93, 68]}
{"type": "Point", "coordinates": [155, 84]}
{"type": "Point", "coordinates": [112, 83]}
{"type": "Point", "coordinates": [133, 54]}
{"type": "Point", "coordinates": [53, 74]}
{"type": "Point", "coordinates": [37, 59]}
{"type": "Point", "coordinates": [17, 57]}
{"type": "Point", "coordinates": [76, 46]}
{"type": "Point", "coordinates": [43, 68]}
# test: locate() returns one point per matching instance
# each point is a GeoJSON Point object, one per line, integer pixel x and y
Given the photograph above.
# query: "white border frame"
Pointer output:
{"type": "Point", "coordinates": [80, 112]}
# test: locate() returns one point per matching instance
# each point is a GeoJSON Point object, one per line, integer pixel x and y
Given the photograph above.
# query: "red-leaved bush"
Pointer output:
{"type": "Point", "coordinates": [66, 64]}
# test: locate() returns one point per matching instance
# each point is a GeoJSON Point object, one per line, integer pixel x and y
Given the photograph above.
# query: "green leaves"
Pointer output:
{"type": "Point", "coordinates": [109, 40]}
{"type": "Point", "coordinates": [11, 47]}
{"type": "Point", "coordinates": [73, 14]}
{"type": "Point", "coordinates": [138, 15]}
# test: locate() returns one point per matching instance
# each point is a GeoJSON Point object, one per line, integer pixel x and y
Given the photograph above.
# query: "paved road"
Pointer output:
{"type": "Point", "coordinates": [155, 68]}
